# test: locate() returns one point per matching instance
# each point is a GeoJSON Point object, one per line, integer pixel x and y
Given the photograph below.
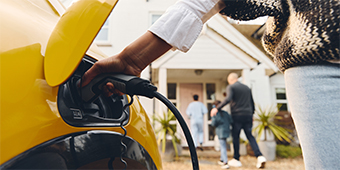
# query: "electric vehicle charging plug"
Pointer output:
{"type": "Point", "coordinates": [127, 84]}
{"type": "Point", "coordinates": [133, 85]}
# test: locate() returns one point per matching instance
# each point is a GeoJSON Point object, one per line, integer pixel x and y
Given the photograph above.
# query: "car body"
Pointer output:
{"type": "Point", "coordinates": [44, 50]}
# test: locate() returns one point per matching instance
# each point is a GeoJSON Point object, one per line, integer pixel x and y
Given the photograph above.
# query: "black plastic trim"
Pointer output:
{"type": "Point", "coordinates": [84, 150]}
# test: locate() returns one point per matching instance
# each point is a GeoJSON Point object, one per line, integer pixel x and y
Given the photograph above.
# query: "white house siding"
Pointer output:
{"type": "Point", "coordinates": [129, 20]}
{"type": "Point", "coordinates": [206, 54]}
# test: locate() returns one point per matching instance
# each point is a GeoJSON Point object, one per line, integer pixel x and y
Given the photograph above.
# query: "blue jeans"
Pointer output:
{"type": "Point", "coordinates": [197, 132]}
{"type": "Point", "coordinates": [223, 144]}
{"type": "Point", "coordinates": [244, 122]}
{"type": "Point", "coordinates": [313, 94]}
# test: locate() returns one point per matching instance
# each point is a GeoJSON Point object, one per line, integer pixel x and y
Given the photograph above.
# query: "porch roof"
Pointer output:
{"type": "Point", "coordinates": [220, 46]}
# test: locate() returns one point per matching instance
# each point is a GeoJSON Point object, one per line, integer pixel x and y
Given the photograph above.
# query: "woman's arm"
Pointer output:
{"type": "Point", "coordinates": [132, 60]}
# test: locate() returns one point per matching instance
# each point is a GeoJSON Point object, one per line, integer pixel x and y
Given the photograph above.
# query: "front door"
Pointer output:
{"type": "Point", "coordinates": [187, 91]}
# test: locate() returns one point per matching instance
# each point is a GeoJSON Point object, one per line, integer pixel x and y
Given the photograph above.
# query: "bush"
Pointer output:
{"type": "Point", "coordinates": [288, 151]}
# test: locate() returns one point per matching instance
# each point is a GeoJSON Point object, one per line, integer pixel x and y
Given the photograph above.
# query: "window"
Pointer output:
{"type": "Point", "coordinates": [172, 97]}
{"type": "Point", "coordinates": [280, 93]}
{"type": "Point", "coordinates": [171, 90]}
{"type": "Point", "coordinates": [103, 35]}
{"type": "Point", "coordinates": [211, 133]}
{"type": "Point", "coordinates": [281, 100]}
{"type": "Point", "coordinates": [155, 17]}
{"type": "Point", "coordinates": [67, 3]}
{"type": "Point", "coordinates": [209, 108]}
{"type": "Point", "coordinates": [210, 98]}
{"type": "Point", "coordinates": [211, 91]}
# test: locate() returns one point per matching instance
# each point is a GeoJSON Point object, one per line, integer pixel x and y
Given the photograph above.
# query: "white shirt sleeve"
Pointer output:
{"type": "Point", "coordinates": [182, 23]}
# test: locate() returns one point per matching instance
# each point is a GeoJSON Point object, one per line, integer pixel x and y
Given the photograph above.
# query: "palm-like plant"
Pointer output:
{"type": "Point", "coordinates": [165, 129]}
{"type": "Point", "coordinates": [266, 118]}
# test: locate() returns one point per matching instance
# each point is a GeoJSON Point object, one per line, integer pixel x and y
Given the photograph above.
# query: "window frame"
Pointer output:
{"type": "Point", "coordinates": [280, 101]}
{"type": "Point", "coordinates": [152, 14]}
{"type": "Point", "coordinates": [104, 42]}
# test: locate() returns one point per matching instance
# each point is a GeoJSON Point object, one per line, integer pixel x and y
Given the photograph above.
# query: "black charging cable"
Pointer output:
{"type": "Point", "coordinates": [184, 127]}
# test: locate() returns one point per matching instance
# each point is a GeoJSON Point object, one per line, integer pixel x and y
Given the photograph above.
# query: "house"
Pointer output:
{"type": "Point", "coordinates": [221, 48]}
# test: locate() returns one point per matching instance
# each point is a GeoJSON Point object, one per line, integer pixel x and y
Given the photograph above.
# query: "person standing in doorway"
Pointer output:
{"type": "Point", "coordinates": [221, 121]}
{"type": "Point", "coordinates": [196, 111]}
{"type": "Point", "coordinates": [242, 108]}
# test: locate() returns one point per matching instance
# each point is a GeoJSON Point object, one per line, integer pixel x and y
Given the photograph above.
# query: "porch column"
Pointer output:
{"type": "Point", "coordinates": [246, 76]}
{"type": "Point", "coordinates": [261, 88]}
{"type": "Point", "coordinates": [162, 88]}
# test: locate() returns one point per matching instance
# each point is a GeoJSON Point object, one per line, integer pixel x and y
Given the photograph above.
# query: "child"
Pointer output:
{"type": "Point", "coordinates": [221, 121]}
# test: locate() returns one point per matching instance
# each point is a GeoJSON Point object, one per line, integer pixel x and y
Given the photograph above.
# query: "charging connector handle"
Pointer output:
{"type": "Point", "coordinates": [127, 84]}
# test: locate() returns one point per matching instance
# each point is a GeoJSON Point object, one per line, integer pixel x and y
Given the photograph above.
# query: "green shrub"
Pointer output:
{"type": "Point", "coordinates": [288, 151]}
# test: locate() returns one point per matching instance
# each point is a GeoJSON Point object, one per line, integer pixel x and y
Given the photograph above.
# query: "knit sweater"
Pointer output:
{"type": "Point", "coordinates": [298, 32]}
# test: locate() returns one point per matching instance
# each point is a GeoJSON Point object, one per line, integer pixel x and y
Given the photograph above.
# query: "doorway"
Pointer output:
{"type": "Point", "coordinates": [187, 91]}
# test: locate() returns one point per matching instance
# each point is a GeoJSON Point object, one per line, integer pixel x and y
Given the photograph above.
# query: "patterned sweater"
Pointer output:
{"type": "Point", "coordinates": [298, 32]}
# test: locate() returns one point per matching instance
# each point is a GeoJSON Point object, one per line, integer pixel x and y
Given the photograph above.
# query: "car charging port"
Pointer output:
{"type": "Point", "coordinates": [101, 112]}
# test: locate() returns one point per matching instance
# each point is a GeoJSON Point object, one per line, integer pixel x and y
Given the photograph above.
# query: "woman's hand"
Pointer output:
{"type": "Point", "coordinates": [112, 64]}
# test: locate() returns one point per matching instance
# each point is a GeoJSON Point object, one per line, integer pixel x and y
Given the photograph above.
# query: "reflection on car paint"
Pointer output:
{"type": "Point", "coordinates": [84, 150]}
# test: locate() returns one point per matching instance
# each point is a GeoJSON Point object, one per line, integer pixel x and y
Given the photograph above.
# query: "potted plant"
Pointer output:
{"type": "Point", "coordinates": [166, 134]}
{"type": "Point", "coordinates": [268, 130]}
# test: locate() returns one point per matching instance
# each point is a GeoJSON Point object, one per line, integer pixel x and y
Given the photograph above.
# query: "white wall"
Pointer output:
{"type": "Point", "coordinates": [130, 19]}
{"type": "Point", "coordinates": [260, 86]}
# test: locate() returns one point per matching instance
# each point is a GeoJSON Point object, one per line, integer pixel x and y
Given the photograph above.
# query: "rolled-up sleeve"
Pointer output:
{"type": "Point", "coordinates": [182, 23]}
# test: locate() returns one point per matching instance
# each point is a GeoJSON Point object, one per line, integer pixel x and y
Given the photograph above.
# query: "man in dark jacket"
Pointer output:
{"type": "Point", "coordinates": [242, 108]}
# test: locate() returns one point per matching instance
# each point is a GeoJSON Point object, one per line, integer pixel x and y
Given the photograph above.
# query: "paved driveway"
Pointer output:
{"type": "Point", "coordinates": [208, 161]}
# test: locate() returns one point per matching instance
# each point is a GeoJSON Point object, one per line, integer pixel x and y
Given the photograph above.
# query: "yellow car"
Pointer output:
{"type": "Point", "coordinates": [44, 51]}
